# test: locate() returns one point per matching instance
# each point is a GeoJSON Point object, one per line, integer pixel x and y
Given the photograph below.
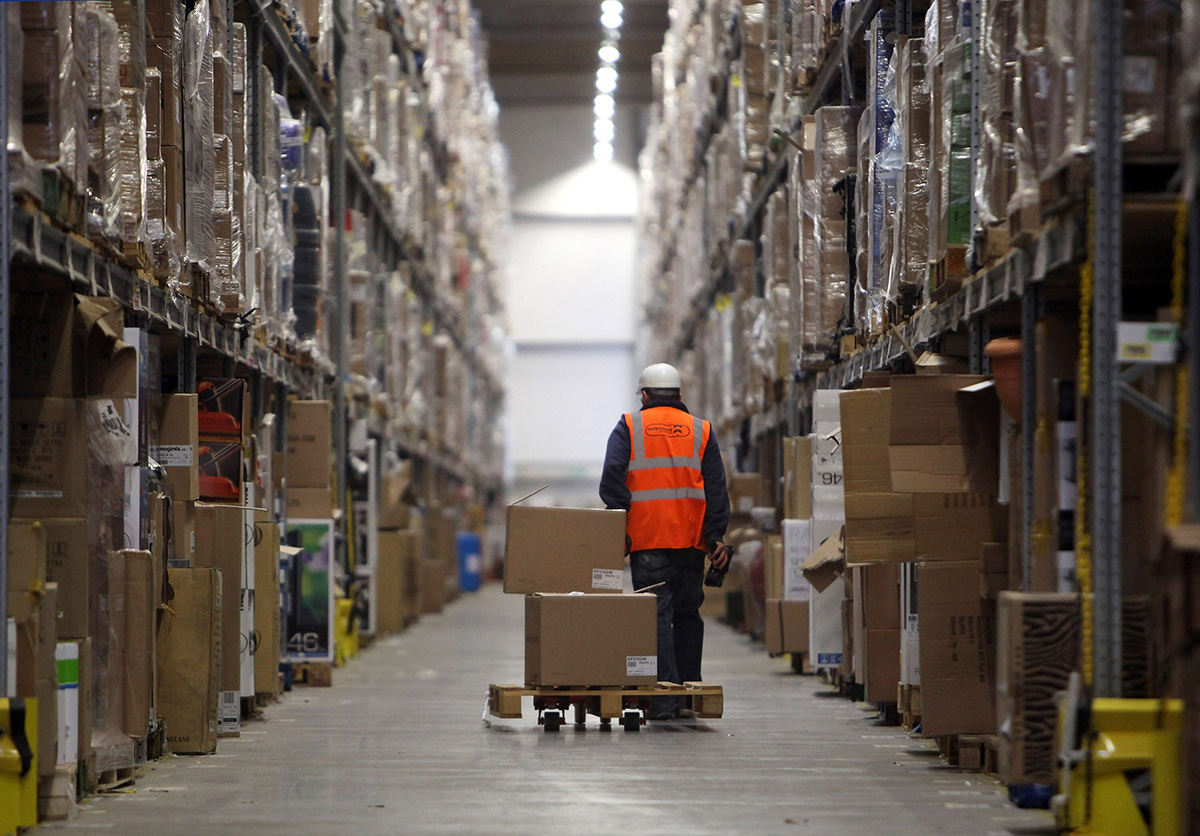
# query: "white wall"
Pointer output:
{"type": "Point", "coordinates": [570, 298]}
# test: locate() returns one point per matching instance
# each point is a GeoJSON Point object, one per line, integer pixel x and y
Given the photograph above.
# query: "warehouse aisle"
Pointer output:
{"type": "Point", "coordinates": [397, 746]}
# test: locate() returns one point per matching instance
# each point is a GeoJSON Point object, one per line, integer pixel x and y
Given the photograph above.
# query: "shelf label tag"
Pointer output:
{"type": "Point", "coordinates": [1148, 342]}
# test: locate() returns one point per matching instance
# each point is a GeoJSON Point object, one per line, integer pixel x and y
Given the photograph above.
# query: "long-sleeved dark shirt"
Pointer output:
{"type": "Point", "coordinates": [615, 493]}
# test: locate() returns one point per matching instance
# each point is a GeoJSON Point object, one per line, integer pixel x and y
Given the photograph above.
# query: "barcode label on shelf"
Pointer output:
{"type": "Point", "coordinates": [36, 494]}
{"type": "Point", "coordinates": [641, 666]}
{"type": "Point", "coordinates": [607, 578]}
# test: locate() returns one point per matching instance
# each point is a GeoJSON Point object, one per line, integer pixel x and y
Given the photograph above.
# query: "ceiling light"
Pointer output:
{"type": "Point", "coordinates": [609, 54]}
{"type": "Point", "coordinates": [610, 21]}
{"type": "Point", "coordinates": [605, 73]}
{"type": "Point", "coordinates": [605, 106]}
{"type": "Point", "coordinates": [606, 84]}
{"type": "Point", "coordinates": [603, 152]}
{"type": "Point", "coordinates": [604, 130]}
{"type": "Point", "coordinates": [612, 7]}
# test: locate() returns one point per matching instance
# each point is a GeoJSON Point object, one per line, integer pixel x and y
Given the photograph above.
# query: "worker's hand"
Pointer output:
{"type": "Point", "coordinates": [628, 545]}
{"type": "Point", "coordinates": [718, 553]}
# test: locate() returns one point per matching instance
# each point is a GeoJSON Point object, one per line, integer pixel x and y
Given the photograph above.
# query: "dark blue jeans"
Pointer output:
{"type": "Point", "coordinates": [680, 627]}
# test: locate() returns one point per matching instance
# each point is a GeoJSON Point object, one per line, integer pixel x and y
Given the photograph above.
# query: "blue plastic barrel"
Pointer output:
{"type": "Point", "coordinates": [470, 561]}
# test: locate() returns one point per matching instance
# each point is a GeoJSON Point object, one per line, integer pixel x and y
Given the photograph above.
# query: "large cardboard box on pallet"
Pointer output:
{"type": "Point", "coordinates": [139, 675]}
{"type": "Point", "coordinates": [433, 585]}
{"type": "Point", "coordinates": [585, 640]}
{"type": "Point", "coordinates": [957, 650]}
{"type": "Point", "coordinates": [189, 659]}
{"type": "Point", "coordinates": [390, 580]}
{"type": "Point", "coordinates": [564, 550]}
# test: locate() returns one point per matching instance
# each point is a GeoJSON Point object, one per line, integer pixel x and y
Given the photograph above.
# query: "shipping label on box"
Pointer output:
{"type": "Point", "coordinates": [49, 458]}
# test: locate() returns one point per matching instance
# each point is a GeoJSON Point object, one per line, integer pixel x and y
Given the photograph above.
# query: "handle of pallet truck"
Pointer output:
{"type": "Point", "coordinates": [719, 554]}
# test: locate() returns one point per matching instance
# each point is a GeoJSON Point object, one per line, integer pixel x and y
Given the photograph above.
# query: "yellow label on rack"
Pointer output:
{"type": "Point", "coordinates": [723, 302]}
{"type": "Point", "coordinates": [427, 329]}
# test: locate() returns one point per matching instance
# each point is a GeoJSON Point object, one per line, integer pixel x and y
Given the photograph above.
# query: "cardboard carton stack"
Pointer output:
{"type": "Point", "coordinates": [309, 579]}
{"type": "Point", "coordinates": [789, 592]}
{"type": "Point", "coordinates": [601, 637]}
{"type": "Point", "coordinates": [398, 576]}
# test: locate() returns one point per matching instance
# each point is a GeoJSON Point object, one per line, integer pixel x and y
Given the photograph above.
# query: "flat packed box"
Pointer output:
{"type": "Point", "coordinates": [585, 640]}
{"type": "Point", "coordinates": [564, 550]}
{"type": "Point", "coordinates": [219, 542]}
{"type": "Point", "coordinates": [189, 661]}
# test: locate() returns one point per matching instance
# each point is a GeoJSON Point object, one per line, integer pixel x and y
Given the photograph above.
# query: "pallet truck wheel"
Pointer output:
{"type": "Point", "coordinates": [606, 724]}
{"type": "Point", "coordinates": [552, 720]}
{"type": "Point", "coordinates": [632, 721]}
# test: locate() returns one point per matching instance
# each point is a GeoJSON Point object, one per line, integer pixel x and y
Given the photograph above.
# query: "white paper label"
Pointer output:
{"type": "Point", "coordinates": [173, 455]}
{"type": "Point", "coordinates": [229, 719]}
{"type": "Point", "coordinates": [607, 579]}
{"type": "Point", "coordinates": [641, 666]}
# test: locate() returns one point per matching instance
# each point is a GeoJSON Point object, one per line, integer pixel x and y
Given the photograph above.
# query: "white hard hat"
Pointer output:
{"type": "Point", "coordinates": [660, 376]}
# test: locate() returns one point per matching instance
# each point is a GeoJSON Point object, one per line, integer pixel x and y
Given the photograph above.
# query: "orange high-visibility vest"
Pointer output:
{"type": "Point", "coordinates": [664, 479]}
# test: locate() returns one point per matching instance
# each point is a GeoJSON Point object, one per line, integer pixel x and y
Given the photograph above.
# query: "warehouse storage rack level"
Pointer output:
{"type": "Point", "coordinates": [629, 705]}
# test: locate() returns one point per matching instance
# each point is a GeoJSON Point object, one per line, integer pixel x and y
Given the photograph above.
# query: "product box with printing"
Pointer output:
{"type": "Point", "coordinates": [585, 640]}
{"type": "Point", "coordinates": [564, 550]}
{"type": "Point", "coordinates": [309, 444]}
{"type": "Point", "coordinates": [219, 545]}
{"type": "Point", "coordinates": [178, 443]}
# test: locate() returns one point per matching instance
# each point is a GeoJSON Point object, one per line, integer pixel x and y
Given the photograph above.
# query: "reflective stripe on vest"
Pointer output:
{"type": "Point", "coordinates": [668, 493]}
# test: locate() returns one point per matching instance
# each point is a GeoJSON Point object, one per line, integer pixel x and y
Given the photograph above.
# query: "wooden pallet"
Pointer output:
{"type": "Point", "coordinates": [908, 705]}
{"type": "Point", "coordinates": [115, 779]}
{"type": "Point", "coordinates": [605, 702]}
{"type": "Point", "coordinates": [970, 752]}
{"type": "Point", "coordinates": [315, 674]}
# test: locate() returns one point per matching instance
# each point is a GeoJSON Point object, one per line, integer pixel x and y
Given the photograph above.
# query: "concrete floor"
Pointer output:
{"type": "Point", "coordinates": [398, 746]}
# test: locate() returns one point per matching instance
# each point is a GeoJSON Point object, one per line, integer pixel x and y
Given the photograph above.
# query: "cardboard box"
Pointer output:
{"type": "Point", "coordinates": [945, 434]}
{"type": "Point", "coordinates": [178, 443]}
{"type": "Point", "coordinates": [745, 492]}
{"type": "Point", "coordinates": [183, 542]}
{"type": "Point", "coordinates": [394, 511]}
{"type": "Point", "coordinates": [564, 550]}
{"type": "Point", "coordinates": [67, 566]}
{"type": "Point", "coordinates": [585, 640]}
{"type": "Point", "coordinates": [882, 664]}
{"type": "Point", "coordinates": [787, 626]}
{"type": "Point", "coordinates": [433, 586]}
{"type": "Point", "coordinates": [162, 56]}
{"type": "Point", "coordinates": [866, 417]}
{"type": "Point", "coordinates": [309, 503]}
{"type": "Point", "coordinates": [309, 444]}
{"type": "Point", "coordinates": [139, 644]}
{"type": "Point", "coordinates": [772, 555]}
{"type": "Point", "coordinates": [43, 352]}
{"type": "Point", "coordinates": [390, 579]}
{"type": "Point", "coordinates": [49, 458]}
{"type": "Point", "coordinates": [219, 546]}
{"type": "Point", "coordinates": [266, 607]}
{"type": "Point", "coordinates": [189, 654]}
{"type": "Point", "coordinates": [411, 544]}
{"type": "Point", "coordinates": [797, 478]}
{"type": "Point", "coordinates": [68, 665]}
{"type": "Point", "coordinates": [826, 563]}
{"type": "Point", "coordinates": [957, 650]}
{"type": "Point", "coordinates": [897, 527]}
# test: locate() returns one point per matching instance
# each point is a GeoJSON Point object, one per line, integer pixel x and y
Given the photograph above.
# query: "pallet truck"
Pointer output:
{"type": "Point", "coordinates": [629, 705]}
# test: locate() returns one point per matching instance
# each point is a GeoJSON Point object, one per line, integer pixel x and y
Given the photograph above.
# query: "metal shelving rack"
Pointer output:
{"type": "Point", "coordinates": [272, 375]}
{"type": "Point", "coordinates": [1017, 280]}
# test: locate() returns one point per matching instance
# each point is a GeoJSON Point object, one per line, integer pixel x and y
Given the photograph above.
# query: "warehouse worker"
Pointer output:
{"type": "Point", "coordinates": [663, 466]}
